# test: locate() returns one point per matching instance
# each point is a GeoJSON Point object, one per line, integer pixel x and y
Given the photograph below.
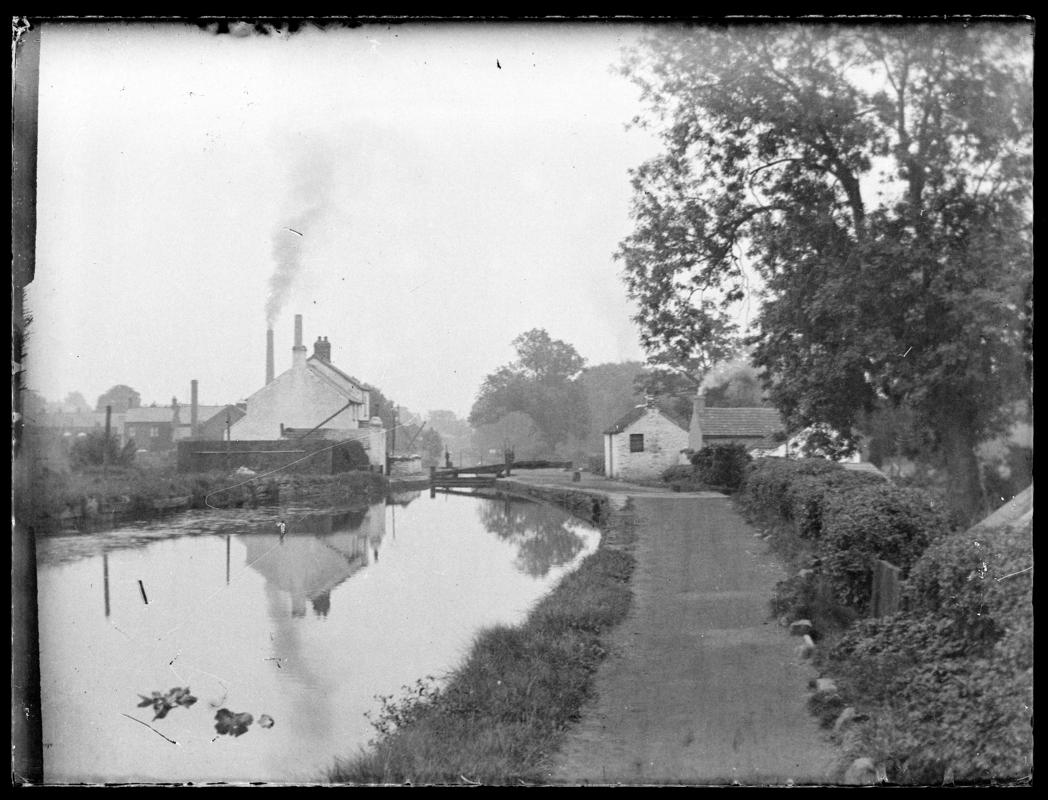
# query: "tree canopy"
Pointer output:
{"type": "Point", "coordinates": [542, 383]}
{"type": "Point", "coordinates": [878, 180]}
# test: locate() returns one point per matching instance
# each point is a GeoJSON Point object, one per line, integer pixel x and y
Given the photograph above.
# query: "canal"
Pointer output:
{"type": "Point", "coordinates": [302, 631]}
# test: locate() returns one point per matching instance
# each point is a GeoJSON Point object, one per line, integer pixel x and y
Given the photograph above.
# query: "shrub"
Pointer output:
{"type": "Point", "coordinates": [870, 523]}
{"type": "Point", "coordinates": [678, 472]}
{"type": "Point", "coordinates": [94, 449]}
{"type": "Point", "coordinates": [806, 496]}
{"type": "Point", "coordinates": [350, 455]}
{"type": "Point", "coordinates": [722, 465]}
{"type": "Point", "coordinates": [764, 492]}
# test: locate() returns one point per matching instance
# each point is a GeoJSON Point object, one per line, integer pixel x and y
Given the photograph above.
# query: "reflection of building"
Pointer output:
{"type": "Point", "coordinates": [317, 554]}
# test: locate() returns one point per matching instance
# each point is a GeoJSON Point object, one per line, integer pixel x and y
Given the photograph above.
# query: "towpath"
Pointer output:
{"type": "Point", "coordinates": [700, 687]}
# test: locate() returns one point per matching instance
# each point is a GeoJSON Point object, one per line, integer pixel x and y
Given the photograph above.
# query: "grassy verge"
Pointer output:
{"type": "Point", "coordinates": [504, 713]}
{"type": "Point", "coordinates": [42, 498]}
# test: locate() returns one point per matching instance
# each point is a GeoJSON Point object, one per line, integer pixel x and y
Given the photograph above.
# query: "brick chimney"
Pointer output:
{"type": "Point", "coordinates": [269, 355]}
{"type": "Point", "coordinates": [695, 428]}
{"type": "Point", "coordinates": [298, 352]}
{"type": "Point", "coordinates": [194, 410]}
{"type": "Point", "coordinates": [322, 349]}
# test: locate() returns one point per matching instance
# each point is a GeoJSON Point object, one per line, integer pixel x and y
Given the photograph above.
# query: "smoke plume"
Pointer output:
{"type": "Point", "coordinates": [307, 205]}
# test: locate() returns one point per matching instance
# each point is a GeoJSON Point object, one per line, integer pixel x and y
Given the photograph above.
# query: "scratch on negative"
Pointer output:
{"type": "Point", "coordinates": [154, 730]}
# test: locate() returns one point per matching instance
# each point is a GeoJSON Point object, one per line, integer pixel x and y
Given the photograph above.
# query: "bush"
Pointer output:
{"type": "Point", "coordinates": [722, 465]}
{"type": "Point", "coordinates": [764, 492]}
{"type": "Point", "coordinates": [678, 472]}
{"type": "Point", "coordinates": [350, 455]}
{"type": "Point", "coordinates": [806, 496]}
{"type": "Point", "coordinates": [869, 523]}
{"type": "Point", "coordinates": [95, 449]}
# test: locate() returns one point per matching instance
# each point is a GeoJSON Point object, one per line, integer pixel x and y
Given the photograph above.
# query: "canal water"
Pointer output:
{"type": "Point", "coordinates": [305, 630]}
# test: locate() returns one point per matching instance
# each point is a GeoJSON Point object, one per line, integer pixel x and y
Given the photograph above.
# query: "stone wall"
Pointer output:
{"type": "Point", "coordinates": [663, 442]}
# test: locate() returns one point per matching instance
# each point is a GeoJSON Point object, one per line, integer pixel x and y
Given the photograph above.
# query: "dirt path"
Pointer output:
{"type": "Point", "coordinates": [700, 686]}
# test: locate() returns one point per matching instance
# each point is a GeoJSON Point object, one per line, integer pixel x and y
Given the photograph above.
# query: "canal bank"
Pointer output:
{"type": "Point", "coordinates": [700, 686]}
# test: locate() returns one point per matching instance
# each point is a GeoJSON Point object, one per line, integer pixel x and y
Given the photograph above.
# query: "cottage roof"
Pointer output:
{"type": "Point", "coordinates": [760, 423]}
{"type": "Point", "coordinates": [637, 413]}
{"type": "Point", "coordinates": [346, 383]}
{"type": "Point", "coordinates": [77, 419]}
{"type": "Point", "coordinates": [153, 414]}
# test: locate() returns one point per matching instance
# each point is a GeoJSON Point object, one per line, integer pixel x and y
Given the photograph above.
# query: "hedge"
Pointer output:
{"type": "Point", "coordinates": [764, 495]}
{"type": "Point", "coordinates": [871, 522]}
{"type": "Point", "coordinates": [722, 465]}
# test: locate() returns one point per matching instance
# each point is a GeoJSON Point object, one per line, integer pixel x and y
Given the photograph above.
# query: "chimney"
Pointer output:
{"type": "Point", "coordinates": [695, 429]}
{"type": "Point", "coordinates": [298, 352]}
{"type": "Point", "coordinates": [269, 355]}
{"type": "Point", "coordinates": [193, 409]}
{"type": "Point", "coordinates": [322, 349]}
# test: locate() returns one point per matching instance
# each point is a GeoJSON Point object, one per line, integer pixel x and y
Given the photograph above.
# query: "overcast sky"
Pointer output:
{"type": "Point", "coordinates": [455, 185]}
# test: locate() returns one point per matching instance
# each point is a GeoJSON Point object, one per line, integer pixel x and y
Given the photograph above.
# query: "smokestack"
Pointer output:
{"type": "Point", "coordinates": [193, 408]}
{"type": "Point", "coordinates": [269, 355]}
{"type": "Point", "coordinates": [298, 352]}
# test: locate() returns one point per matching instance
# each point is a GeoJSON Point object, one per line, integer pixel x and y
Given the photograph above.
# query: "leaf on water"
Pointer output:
{"type": "Point", "coordinates": [163, 703]}
{"type": "Point", "coordinates": [232, 724]}
{"type": "Point", "coordinates": [266, 721]}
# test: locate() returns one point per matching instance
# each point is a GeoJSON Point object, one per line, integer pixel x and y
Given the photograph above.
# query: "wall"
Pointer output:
{"type": "Point", "coordinates": [298, 398]}
{"type": "Point", "coordinates": [663, 441]}
{"type": "Point", "coordinates": [259, 455]}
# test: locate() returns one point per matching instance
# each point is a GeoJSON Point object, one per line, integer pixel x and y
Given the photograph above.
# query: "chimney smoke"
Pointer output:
{"type": "Point", "coordinates": [269, 356]}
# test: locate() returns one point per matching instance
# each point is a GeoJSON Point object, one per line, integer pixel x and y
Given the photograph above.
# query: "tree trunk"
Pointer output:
{"type": "Point", "coordinates": [964, 492]}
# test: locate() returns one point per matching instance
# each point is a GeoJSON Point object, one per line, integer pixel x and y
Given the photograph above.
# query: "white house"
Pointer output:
{"type": "Point", "coordinates": [644, 443]}
{"type": "Point", "coordinates": [313, 397]}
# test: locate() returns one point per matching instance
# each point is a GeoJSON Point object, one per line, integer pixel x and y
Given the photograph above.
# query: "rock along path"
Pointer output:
{"type": "Point", "coordinates": [700, 687]}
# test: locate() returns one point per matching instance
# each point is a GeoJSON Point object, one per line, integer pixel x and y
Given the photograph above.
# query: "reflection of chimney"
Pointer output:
{"type": "Point", "coordinates": [193, 408]}
{"type": "Point", "coordinates": [322, 349]}
{"type": "Point", "coordinates": [269, 355]}
{"type": "Point", "coordinates": [298, 352]}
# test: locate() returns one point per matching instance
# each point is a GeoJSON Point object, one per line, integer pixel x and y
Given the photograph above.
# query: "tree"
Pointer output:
{"type": "Point", "coordinates": [734, 384]}
{"type": "Point", "coordinates": [120, 397]}
{"type": "Point", "coordinates": [879, 182]}
{"type": "Point", "coordinates": [95, 449]}
{"type": "Point", "coordinates": [516, 431]}
{"type": "Point", "coordinates": [610, 391]}
{"type": "Point", "coordinates": [75, 402]}
{"type": "Point", "coordinates": [542, 384]}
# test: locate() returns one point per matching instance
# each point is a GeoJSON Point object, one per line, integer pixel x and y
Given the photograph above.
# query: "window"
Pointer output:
{"type": "Point", "coordinates": [636, 442]}
{"type": "Point", "coordinates": [154, 432]}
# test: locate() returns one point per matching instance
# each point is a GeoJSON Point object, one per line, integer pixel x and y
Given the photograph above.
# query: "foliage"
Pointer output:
{"type": "Point", "coordinates": [916, 293]}
{"type": "Point", "coordinates": [350, 455]}
{"type": "Point", "coordinates": [120, 397]}
{"type": "Point", "coordinates": [722, 465]}
{"type": "Point", "coordinates": [517, 431]}
{"type": "Point", "coordinates": [765, 498]}
{"type": "Point", "coordinates": [542, 384]}
{"type": "Point", "coordinates": [230, 723]}
{"type": "Point", "coordinates": [610, 391]}
{"type": "Point", "coordinates": [874, 522]}
{"type": "Point", "coordinates": [163, 703]}
{"type": "Point", "coordinates": [94, 450]}
{"type": "Point", "coordinates": [806, 497]}
{"type": "Point", "coordinates": [734, 384]}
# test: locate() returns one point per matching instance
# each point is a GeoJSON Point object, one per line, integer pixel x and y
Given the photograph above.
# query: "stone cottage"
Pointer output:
{"type": "Point", "coordinates": [758, 429]}
{"type": "Point", "coordinates": [313, 397]}
{"type": "Point", "coordinates": [644, 443]}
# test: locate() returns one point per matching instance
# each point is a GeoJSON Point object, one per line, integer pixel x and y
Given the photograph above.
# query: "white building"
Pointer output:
{"type": "Point", "coordinates": [312, 397]}
{"type": "Point", "coordinates": [644, 443]}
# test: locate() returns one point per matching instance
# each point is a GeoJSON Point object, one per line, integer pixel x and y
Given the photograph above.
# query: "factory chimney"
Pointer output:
{"type": "Point", "coordinates": [193, 409]}
{"type": "Point", "coordinates": [298, 352]}
{"type": "Point", "coordinates": [269, 355]}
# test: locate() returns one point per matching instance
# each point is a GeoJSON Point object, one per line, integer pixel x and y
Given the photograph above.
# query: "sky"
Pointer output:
{"type": "Point", "coordinates": [454, 185]}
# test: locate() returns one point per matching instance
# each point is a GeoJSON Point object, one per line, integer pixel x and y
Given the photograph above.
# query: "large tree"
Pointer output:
{"type": "Point", "coordinates": [879, 181]}
{"type": "Point", "coordinates": [543, 384]}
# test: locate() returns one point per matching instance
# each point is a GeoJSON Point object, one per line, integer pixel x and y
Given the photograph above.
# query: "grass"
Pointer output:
{"type": "Point", "coordinates": [504, 713]}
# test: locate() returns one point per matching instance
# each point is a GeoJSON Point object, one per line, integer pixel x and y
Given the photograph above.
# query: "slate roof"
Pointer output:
{"type": "Point", "coordinates": [152, 414]}
{"type": "Point", "coordinates": [637, 412]}
{"type": "Point", "coordinates": [760, 423]}
{"type": "Point", "coordinates": [343, 382]}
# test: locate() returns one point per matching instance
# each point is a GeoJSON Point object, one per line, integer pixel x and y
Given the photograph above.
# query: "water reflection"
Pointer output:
{"type": "Point", "coordinates": [309, 630]}
{"type": "Point", "coordinates": [315, 554]}
{"type": "Point", "coordinates": [543, 537]}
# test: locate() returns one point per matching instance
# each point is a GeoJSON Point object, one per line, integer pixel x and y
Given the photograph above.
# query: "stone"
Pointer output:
{"type": "Point", "coordinates": [784, 620]}
{"type": "Point", "coordinates": [826, 685]}
{"type": "Point", "coordinates": [807, 647]}
{"type": "Point", "coordinates": [800, 627]}
{"type": "Point", "coordinates": [804, 574]}
{"type": "Point", "coordinates": [846, 717]}
{"type": "Point", "coordinates": [862, 772]}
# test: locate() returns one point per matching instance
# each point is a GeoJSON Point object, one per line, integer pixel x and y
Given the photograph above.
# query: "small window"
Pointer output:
{"type": "Point", "coordinates": [636, 442]}
{"type": "Point", "coordinates": [154, 432]}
